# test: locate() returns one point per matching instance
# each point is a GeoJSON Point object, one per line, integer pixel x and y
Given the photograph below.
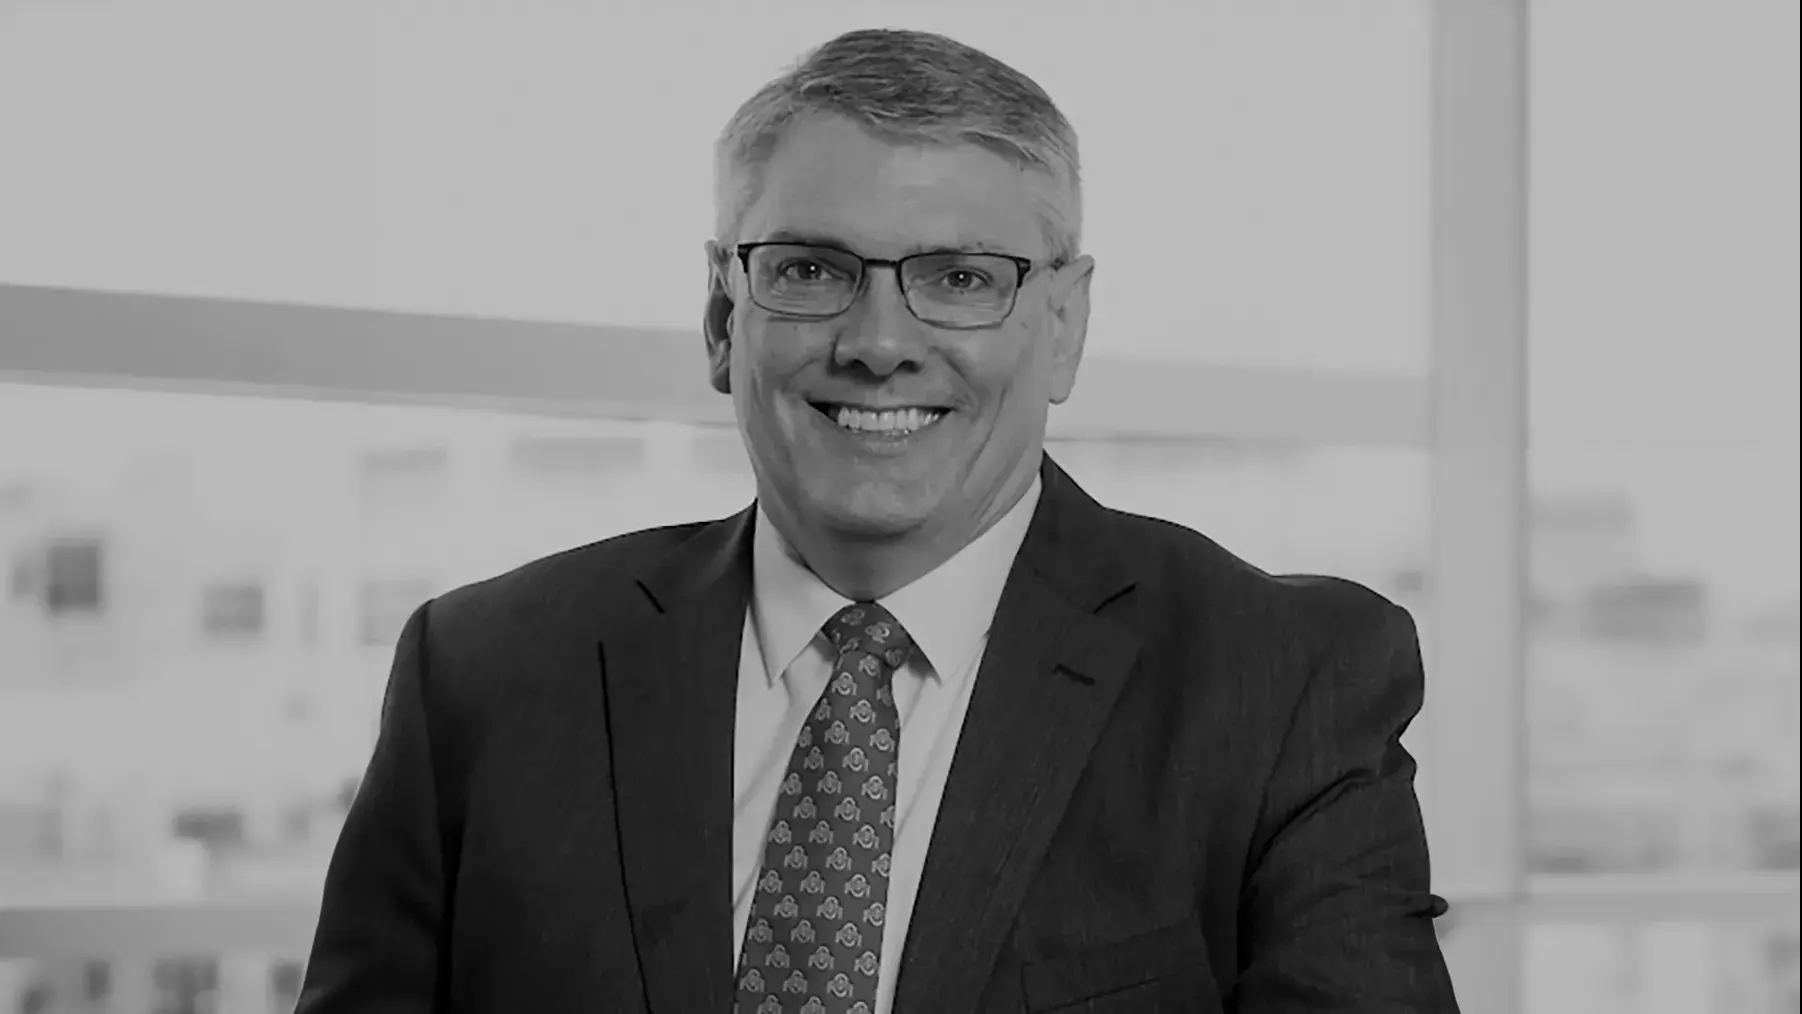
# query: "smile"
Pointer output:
{"type": "Point", "coordinates": [892, 422]}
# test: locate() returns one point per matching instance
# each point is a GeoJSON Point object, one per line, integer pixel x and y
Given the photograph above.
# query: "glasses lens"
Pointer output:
{"type": "Point", "coordinates": [803, 280]}
{"type": "Point", "coordinates": [961, 289]}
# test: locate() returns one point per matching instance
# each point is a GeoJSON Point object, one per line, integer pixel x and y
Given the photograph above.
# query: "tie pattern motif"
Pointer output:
{"type": "Point", "coordinates": [814, 938]}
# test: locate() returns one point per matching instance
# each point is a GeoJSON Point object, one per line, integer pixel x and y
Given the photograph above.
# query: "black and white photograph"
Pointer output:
{"type": "Point", "coordinates": [711, 507]}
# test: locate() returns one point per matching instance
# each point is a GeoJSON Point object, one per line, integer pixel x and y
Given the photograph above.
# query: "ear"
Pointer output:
{"type": "Point", "coordinates": [1069, 324]}
{"type": "Point", "coordinates": [716, 317]}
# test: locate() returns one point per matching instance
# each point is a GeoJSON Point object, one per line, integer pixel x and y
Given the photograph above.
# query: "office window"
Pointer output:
{"type": "Point", "coordinates": [346, 793]}
{"type": "Point", "coordinates": [188, 985]}
{"type": "Point", "coordinates": [24, 575]}
{"type": "Point", "coordinates": [384, 607]}
{"type": "Point", "coordinates": [721, 451]}
{"type": "Point", "coordinates": [580, 458]}
{"type": "Point", "coordinates": [1254, 187]}
{"type": "Point", "coordinates": [309, 619]}
{"type": "Point", "coordinates": [1662, 663]}
{"type": "Point", "coordinates": [403, 464]}
{"type": "Point", "coordinates": [212, 826]}
{"type": "Point", "coordinates": [73, 577]}
{"type": "Point", "coordinates": [285, 978]}
{"type": "Point", "coordinates": [403, 476]}
{"type": "Point", "coordinates": [232, 611]}
{"type": "Point", "coordinates": [37, 998]}
{"type": "Point", "coordinates": [29, 831]}
{"type": "Point", "coordinates": [15, 495]}
{"type": "Point", "coordinates": [1679, 966]}
{"type": "Point", "coordinates": [96, 981]}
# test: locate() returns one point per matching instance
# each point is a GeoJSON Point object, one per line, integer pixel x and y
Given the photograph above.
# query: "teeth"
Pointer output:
{"type": "Point", "coordinates": [906, 420]}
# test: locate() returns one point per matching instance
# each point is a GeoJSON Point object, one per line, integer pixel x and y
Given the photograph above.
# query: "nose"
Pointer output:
{"type": "Point", "coordinates": [879, 332]}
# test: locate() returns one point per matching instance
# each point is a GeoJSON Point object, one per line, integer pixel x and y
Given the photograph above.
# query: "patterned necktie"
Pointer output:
{"type": "Point", "coordinates": [814, 938]}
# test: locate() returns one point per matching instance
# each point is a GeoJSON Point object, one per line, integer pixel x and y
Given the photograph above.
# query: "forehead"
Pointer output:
{"type": "Point", "coordinates": [828, 178]}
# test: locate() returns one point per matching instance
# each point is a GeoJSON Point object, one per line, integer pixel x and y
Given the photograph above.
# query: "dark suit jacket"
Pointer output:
{"type": "Point", "coordinates": [1178, 788]}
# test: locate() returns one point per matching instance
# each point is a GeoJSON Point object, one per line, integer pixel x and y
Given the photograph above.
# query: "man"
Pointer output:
{"type": "Point", "coordinates": [925, 728]}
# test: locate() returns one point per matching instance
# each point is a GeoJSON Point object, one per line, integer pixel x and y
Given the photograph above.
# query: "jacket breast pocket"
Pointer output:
{"type": "Point", "coordinates": [1163, 970]}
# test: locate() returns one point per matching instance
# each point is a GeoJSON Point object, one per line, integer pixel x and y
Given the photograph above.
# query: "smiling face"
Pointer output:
{"type": "Point", "coordinates": [968, 405]}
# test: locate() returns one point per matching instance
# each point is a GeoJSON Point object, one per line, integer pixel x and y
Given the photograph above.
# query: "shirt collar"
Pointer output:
{"type": "Point", "coordinates": [947, 611]}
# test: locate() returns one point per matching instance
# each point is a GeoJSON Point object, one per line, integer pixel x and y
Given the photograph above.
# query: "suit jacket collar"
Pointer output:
{"type": "Point", "coordinates": [947, 612]}
{"type": "Point", "coordinates": [669, 666]}
{"type": "Point", "coordinates": [1052, 670]}
{"type": "Point", "coordinates": [1067, 546]}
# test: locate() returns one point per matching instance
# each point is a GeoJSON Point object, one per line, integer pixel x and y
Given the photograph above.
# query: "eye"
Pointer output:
{"type": "Point", "coordinates": [964, 280]}
{"type": "Point", "coordinates": [805, 269]}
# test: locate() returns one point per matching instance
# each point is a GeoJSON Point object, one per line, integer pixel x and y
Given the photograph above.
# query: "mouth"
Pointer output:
{"type": "Point", "coordinates": [887, 423]}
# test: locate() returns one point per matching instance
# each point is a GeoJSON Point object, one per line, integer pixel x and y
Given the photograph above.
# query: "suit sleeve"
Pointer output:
{"type": "Point", "coordinates": [383, 912]}
{"type": "Point", "coordinates": [1338, 914]}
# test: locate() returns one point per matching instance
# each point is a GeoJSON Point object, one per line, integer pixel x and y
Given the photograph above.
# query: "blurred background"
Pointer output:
{"type": "Point", "coordinates": [310, 312]}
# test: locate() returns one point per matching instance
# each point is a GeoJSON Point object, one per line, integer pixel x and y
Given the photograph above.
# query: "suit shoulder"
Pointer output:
{"type": "Point", "coordinates": [615, 561]}
{"type": "Point", "coordinates": [1181, 562]}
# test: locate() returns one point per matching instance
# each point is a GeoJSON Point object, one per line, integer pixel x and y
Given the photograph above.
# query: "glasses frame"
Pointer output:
{"type": "Point", "coordinates": [1026, 266]}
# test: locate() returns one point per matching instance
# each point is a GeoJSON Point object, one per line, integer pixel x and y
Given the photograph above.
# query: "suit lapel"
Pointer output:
{"type": "Point", "coordinates": [1047, 682]}
{"type": "Point", "coordinates": [671, 675]}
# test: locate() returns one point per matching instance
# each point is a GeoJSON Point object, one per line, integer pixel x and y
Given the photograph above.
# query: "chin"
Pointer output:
{"type": "Point", "coordinates": [874, 510]}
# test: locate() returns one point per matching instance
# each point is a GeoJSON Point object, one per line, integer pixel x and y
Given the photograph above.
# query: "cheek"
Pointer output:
{"type": "Point", "coordinates": [765, 362]}
{"type": "Point", "coordinates": [1008, 371]}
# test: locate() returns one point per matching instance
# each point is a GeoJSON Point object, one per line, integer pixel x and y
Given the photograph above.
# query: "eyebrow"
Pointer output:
{"type": "Point", "coordinates": [834, 242]}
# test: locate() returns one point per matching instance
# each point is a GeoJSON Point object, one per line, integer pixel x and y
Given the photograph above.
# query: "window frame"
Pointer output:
{"type": "Point", "coordinates": [1469, 413]}
{"type": "Point", "coordinates": [234, 611]}
{"type": "Point", "coordinates": [193, 344]}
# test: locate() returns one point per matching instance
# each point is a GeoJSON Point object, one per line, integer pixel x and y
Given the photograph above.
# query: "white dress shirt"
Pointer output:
{"type": "Point", "coordinates": [785, 662]}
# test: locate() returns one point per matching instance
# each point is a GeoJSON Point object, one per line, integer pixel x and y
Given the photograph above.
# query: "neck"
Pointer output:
{"type": "Point", "coordinates": [865, 568]}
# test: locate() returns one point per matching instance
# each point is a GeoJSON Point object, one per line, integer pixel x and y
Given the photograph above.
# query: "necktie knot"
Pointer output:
{"type": "Point", "coordinates": [869, 628]}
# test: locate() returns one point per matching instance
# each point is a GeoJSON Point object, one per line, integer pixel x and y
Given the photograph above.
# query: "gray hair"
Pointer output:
{"type": "Point", "coordinates": [908, 87]}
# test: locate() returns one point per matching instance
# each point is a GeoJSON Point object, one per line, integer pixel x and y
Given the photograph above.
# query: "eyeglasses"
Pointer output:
{"type": "Point", "coordinates": [945, 289]}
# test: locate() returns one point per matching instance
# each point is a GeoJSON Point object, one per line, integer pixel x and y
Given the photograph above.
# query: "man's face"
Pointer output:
{"type": "Point", "coordinates": [990, 388]}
